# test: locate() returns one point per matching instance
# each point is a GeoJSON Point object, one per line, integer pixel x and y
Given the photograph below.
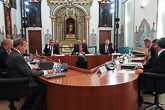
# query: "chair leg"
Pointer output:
{"type": "Point", "coordinates": [11, 105]}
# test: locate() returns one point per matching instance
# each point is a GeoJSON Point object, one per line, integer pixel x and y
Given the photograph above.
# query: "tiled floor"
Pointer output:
{"type": "Point", "coordinates": [4, 104]}
{"type": "Point", "coordinates": [150, 98]}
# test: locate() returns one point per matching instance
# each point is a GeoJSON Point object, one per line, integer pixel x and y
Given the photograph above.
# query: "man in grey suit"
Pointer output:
{"type": "Point", "coordinates": [18, 67]}
{"type": "Point", "coordinates": [5, 50]}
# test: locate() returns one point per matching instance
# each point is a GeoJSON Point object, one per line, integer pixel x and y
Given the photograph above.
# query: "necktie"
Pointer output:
{"type": "Point", "coordinates": [51, 50]}
{"type": "Point", "coordinates": [79, 48]}
{"type": "Point", "coordinates": [106, 49]}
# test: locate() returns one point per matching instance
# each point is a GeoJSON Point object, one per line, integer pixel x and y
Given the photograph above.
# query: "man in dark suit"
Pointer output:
{"type": "Point", "coordinates": [148, 44]}
{"type": "Point", "coordinates": [149, 58]}
{"type": "Point", "coordinates": [5, 50]}
{"type": "Point", "coordinates": [106, 48]}
{"type": "Point", "coordinates": [80, 48]}
{"type": "Point", "coordinates": [51, 48]}
{"type": "Point", "coordinates": [154, 43]}
{"type": "Point", "coordinates": [18, 67]}
{"type": "Point", "coordinates": [158, 65]}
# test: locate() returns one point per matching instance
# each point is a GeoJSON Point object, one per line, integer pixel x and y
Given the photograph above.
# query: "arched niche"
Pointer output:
{"type": "Point", "coordinates": [70, 26]}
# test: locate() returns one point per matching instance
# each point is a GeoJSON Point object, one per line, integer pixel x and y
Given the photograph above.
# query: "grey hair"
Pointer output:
{"type": "Point", "coordinates": [6, 41]}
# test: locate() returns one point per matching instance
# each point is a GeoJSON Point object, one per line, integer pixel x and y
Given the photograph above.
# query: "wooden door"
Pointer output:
{"type": "Point", "coordinates": [104, 34]}
{"type": "Point", "coordinates": [35, 41]}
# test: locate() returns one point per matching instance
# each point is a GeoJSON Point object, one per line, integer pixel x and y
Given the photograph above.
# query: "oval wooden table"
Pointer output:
{"type": "Point", "coordinates": [96, 91]}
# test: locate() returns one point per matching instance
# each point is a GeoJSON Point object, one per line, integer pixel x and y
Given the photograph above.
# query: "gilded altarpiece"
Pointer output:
{"type": "Point", "coordinates": [70, 21]}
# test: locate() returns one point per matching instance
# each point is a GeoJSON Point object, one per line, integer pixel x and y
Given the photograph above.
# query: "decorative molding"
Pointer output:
{"type": "Point", "coordinates": [7, 4]}
{"type": "Point", "coordinates": [70, 2]}
{"type": "Point", "coordinates": [105, 1]}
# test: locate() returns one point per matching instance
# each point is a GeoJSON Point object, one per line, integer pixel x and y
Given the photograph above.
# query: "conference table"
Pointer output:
{"type": "Point", "coordinates": [84, 89]}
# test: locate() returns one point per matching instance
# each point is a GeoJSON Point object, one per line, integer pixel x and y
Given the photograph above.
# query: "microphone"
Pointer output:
{"type": "Point", "coordinates": [48, 58]}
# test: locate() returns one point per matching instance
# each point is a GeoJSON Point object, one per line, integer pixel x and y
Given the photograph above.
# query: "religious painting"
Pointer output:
{"type": "Point", "coordinates": [13, 3]}
{"type": "Point", "coordinates": [34, 14]}
{"type": "Point", "coordinates": [1, 36]}
{"type": "Point", "coordinates": [14, 32]}
{"type": "Point", "coordinates": [8, 24]}
{"type": "Point", "coordinates": [105, 17]}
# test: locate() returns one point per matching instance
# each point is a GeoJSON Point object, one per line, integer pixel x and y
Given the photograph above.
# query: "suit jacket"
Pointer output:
{"type": "Point", "coordinates": [102, 48]}
{"type": "Point", "coordinates": [18, 67]}
{"type": "Point", "coordinates": [3, 58]}
{"type": "Point", "coordinates": [159, 64]}
{"type": "Point", "coordinates": [55, 49]}
{"type": "Point", "coordinates": [149, 64]}
{"type": "Point", "coordinates": [84, 48]}
{"type": "Point", "coordinates": [153, 53]}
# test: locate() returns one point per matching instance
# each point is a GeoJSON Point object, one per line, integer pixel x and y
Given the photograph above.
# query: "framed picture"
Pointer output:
{"type": "Point", "coordinates": [105, 17]}
{"type": "Point", "coordinates": [13, 3]}
{"type": "Point", "coordinates": [34, 14]}
{"type": "Point", "coordinates": [8, 25]}
{"type": "Point", "coordinates": [2, 0]}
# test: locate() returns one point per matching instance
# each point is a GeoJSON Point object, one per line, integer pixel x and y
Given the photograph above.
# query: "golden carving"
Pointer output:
{"type": "Point", "coordinates": [7, 4]}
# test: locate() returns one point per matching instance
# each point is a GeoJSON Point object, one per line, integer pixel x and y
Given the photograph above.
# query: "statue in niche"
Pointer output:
{"type": "Point", "coordinates": [70, 28]}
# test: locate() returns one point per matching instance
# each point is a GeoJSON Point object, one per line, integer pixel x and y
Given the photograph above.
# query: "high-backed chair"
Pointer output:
{"type": "Point", "coordinates": [12, 89]}
{"type": "Point", "coordinates": [76, 49]}
{"type": "Point", "coordinates": [102, 48]}
{"type": "Point", "coordinates": [154, 82]}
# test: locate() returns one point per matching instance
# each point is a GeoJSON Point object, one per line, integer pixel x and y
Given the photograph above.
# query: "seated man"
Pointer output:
{"type": "Point", "coordinates": [149, 45]}
{"type": "Point", "coordinates": [51, 48]}
{"type": "Point", "coordinates": [149, 61]}
{"type": "Point", "coordinates": [18, 68]}
{"type": "Point", "coordinates": [80, 48]}
{"type": "Point", "coordinates": [5, 50]}
{"type": "Point", "coordinates": [106, 48]}
{"type": "Point", "coordinates": [158, 65]}
{"type": "Point", "coordinates": [149, 58]}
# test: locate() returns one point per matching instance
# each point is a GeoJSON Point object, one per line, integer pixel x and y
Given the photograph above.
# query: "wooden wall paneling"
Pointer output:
{"type": "Point", "coordinates": [104, 34]}
{"type": "Point", "coordinates": [35, 41]}
{"type": "Point", "coordinates": [93, 61]}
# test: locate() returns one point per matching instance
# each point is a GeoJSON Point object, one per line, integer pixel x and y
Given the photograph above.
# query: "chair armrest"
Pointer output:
{"type": "Point", "coordinates": [13, 88]}
{"type": "Point", "coordinates": [13, 80]}
{"type": "Point", "coordinates": [154, 74]}
{"type": "Point", "coordinates": [154, 82]}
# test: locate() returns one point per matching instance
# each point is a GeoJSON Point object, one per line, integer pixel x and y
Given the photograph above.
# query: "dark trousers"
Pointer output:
{"type": "Point", "coordinates": [141, 80]}
{"type": "Point", "coordinates": [36, 99]}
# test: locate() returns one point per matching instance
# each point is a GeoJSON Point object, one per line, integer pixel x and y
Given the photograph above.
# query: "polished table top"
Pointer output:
{"type": "Point", "coordinates": [76, 76]}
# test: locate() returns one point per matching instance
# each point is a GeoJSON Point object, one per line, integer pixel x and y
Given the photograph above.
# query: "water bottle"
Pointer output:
{"type": "Point", "coordinates": [98, 52]}
{"type": "Point", "coordinates": [112, 60]}
{"type": "Point", "coordinates": [31, 57]}
{"type": "Point", "coordinates": [59, 66]}
{"type": "Point", "coordinates": [69, 53]}
{"type": "Point", "coordinates": [36, 53]}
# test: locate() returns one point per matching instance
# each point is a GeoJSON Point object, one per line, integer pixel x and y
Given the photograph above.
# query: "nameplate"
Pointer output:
{"type": "Point", "coordinates": [101, 70]}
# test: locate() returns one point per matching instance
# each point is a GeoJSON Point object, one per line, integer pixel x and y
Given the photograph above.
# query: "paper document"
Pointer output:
{"type": "Point", "coordinates": [127, 71]}
{"type": "Point", "coordinates": [59, 55]}
{"type": "Point", "coordinates": [89, 54]}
